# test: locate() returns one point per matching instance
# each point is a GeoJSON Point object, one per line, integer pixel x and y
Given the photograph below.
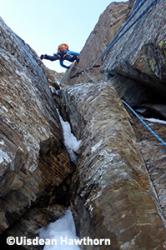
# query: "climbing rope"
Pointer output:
{"type": "Point", "coordinates": [119, 35]}
{"type": "Point", "coordinates": [138, 5]}
{"type": "Point", "coordinates": [140, 118]}
{"type": "Point", "coordinates": [136, 8]}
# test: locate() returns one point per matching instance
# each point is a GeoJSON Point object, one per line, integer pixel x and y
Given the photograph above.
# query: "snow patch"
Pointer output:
{"type": "Point", "coordinates": [4, 156]}
{"type": "Point", "coordinates": [70, 141]}
{"type": "Point", "coordinates": [60, 229]}
{"type": "Point", "coordinates": [155, 120]}
{"type": "Point", "coordinates": [96, 146]}
{"type": "Point", "coordinates": [3, 109]}
{"type": "Point", "coordinates": [2, 142]}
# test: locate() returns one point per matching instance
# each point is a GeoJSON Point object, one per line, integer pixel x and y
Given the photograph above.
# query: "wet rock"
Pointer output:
{"type": "Point", "coordinates": [112, 197]}
{"type": "Point", "coordinates": [32, 154]}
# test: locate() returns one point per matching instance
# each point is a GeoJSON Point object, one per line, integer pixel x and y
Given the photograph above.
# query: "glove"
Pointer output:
{"type": "Point", "coordinates": [42, 57]}
{"type": "Point", "coordinates": [77, 59]}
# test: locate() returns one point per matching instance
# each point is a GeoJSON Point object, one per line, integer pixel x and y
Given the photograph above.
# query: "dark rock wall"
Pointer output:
{"type": "Point", "coordinates": [118, 189]}
{"type": "Point", "coordinates": [32, 154]}
{"type": "Point", "coordinates": [140, 52]}
{"type": "Point", "coordinates": [113, 198]}
{"type": "Point", "coordinates": [135, 68]}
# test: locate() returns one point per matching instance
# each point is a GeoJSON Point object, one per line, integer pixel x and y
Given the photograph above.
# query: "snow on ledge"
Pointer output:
{"type": "Point", "coordinates": [70, 141]}
{"type": "Point", "coordinates": [155, 120]}
{"type": "Point", "coordinates": [61, 229]}
{"type": "Point", "coordinates": [4, 156]}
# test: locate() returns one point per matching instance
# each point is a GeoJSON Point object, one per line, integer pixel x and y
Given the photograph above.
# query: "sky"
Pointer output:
{"type": "Point", "coordinates": [44, 24]}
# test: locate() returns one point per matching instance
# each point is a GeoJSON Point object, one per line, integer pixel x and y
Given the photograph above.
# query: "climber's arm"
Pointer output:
{"type": "Point", "coordinates": [63, 65]}
{"type": "Point", "coordinates": [51, 58]}
{"type": "Point", "coordinates": [74, 55]}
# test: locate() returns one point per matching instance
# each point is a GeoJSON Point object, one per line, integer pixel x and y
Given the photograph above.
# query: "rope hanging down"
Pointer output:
{"type": "Point", "coordinates": [163, 143]}
{"type": "Point", "coordinates": [119, 35]}
{"type": "Point", "coordinates": [137, 7]}
{"type": "Point", "coordinates": [137, 3]}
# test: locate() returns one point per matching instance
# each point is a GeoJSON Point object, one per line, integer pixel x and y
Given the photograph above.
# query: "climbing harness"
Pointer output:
{"type": "Point", "coordinates": [140, 118]}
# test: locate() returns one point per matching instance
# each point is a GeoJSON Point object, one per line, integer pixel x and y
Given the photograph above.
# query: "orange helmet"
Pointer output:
{"type": "Point", "coordinates": [63, 46]}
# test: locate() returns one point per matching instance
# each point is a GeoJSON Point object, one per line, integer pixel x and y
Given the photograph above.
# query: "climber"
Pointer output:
{"type": "Point", "coordinates": [62, 54]}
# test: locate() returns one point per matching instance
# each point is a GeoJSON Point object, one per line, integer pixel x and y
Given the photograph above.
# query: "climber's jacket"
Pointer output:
{"type": "Point", "coordinates": [67, 55]}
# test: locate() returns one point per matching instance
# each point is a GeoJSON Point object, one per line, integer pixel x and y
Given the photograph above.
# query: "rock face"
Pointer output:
{"type": "Point", "coordinates": [111, 18]}
{"type": "Point", "coordinates": [53, 78]}
{"type": "Point", "coordinates": [135, 65]}
{"type": "Point", "coordinates": [155, 158]}
{"type": "Point", "coordinates": [109, 22]}
{"type": "Point", "coordinates": [118, 189]}
{"type": "Point", "coordinates": [120, 181]}
{"type": "Point", "coordinates": [140, 53]}
{"type": "Point", "coordinates": [32, 154]}
{"type": "Point", "coordinates": [113, 198]}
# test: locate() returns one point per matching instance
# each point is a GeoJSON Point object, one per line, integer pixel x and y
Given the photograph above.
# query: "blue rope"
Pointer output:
{"type": "Point", "coordinates": [137, 4]}
{"type": "Point", "coordinates": [136, 8]}
{"type": "Point", "coordinates": [145, 124]}
{"type": "Point", "coordinates": [118, 36]}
